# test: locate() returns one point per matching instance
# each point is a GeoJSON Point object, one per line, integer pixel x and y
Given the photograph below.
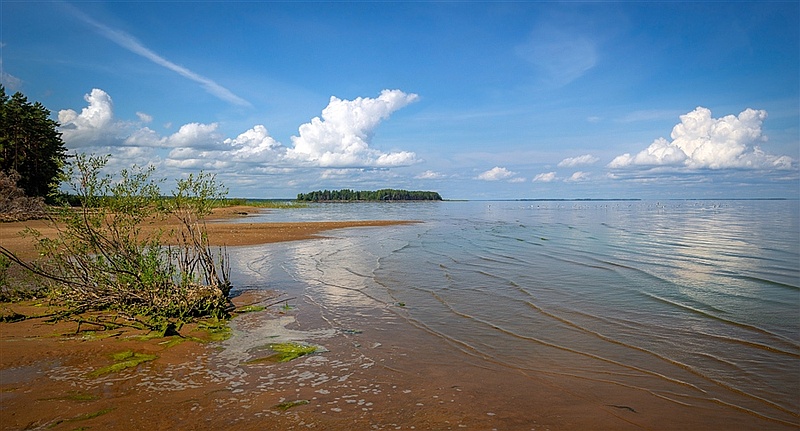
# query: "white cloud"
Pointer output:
{"type": "Point", "coordinates": [341, 138]}
{"type": "Point", "coordinates": [327, 174]}
{"type": "Point", "coordinates": [144, 137]}
{"type": "Point", "coordinates": [144, 118]}
{"type": "Point", "coordinates": [570, 162]}
{"type": "Point", "coordinates": [255, 146]}
{"type": "Point", "coordinates": [94, 125]}
{"type": "Point", "coordinates": [195, 135]}
{"type": "Point", "coordinates": [495, 174]}
{"type": "Point", "coordinates": [578, 176]}
{"type": "Point", "coordinates": [544, 177]}
{"type": "Point", "coordinates": [9, 81]}
{"type": "Point", "coordinates": [346, 126]}
{"type": "Point", "coordinates": [700, 141]}
{"type": "Point", "coordinates": [200, 146]}
{"type": "Point", "coordinates": [430, 175]}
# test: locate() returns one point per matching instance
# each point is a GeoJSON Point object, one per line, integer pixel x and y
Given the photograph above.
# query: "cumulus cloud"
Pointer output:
{"type": "Point", "coordinates": [496, 173]}
{"type": "Point", "coordinates": [250, 151]}
{"type": "Point", "coordinates": [700, 141]}
{"type": "Point", "coordinates": [544, 177]}
{"type": "Point", "coordinates": [341, 138]}
{"type": "Point", "coordinates": [95, 123]}
{"type": "Point", "coordinates": [570, 162]}
{"type": "Point", "coordinates": [195, 135]}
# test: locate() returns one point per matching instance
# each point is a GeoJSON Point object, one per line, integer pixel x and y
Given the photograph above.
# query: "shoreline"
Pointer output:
{"type": "Point", "coordinates": [375, 369]}
{"type": "Point", "coordinates": [45, 368]}
{"type": "Point", "coordinates": [221, 232]}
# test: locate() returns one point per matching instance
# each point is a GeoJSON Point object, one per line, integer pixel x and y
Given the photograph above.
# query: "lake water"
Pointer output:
{"type": "Point", "coordinates": [687, 301]}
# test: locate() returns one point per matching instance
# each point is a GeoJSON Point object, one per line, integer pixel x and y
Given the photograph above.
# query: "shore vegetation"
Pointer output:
{"type": "Point", "coordinates": [347, 195]}
{"type": "Point", "coordinates": [105, 257]}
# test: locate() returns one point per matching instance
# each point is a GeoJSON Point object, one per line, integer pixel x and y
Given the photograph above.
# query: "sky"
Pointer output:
{"type": "Point", "coordinates": [474, 100]}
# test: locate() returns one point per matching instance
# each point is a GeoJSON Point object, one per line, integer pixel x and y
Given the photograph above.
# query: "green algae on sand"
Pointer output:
{"type": "Point", "coordinates": [123, 360]}
{"type": "Point", "coordinates": [286, 405]}
{"type": "Point", "coordinates": [285, 352]}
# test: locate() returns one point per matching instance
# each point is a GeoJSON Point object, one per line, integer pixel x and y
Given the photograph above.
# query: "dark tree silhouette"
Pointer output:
{"type": "Point", "coordinates": [347, 195]}
{"type": "Point", "coordinates": [30, 144]}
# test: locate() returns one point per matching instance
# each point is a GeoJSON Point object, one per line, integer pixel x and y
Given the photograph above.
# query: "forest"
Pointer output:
{"type": "Point", "coordinates": [347, 195]}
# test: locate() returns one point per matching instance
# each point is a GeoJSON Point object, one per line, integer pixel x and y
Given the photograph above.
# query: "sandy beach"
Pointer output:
{"type": "Point", "coordinates": [379, 372]}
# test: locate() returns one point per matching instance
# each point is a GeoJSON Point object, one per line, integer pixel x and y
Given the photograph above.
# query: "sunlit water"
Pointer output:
{"type": "Point", "coordinates": [686, 300]}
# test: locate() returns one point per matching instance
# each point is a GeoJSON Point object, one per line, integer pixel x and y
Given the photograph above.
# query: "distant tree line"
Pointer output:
{"type": "Point", "coordinates": [347, 195]}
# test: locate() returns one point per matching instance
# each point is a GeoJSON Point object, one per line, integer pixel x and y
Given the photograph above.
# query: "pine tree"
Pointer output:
{"type": "Point", "coordinates": [30, 144]}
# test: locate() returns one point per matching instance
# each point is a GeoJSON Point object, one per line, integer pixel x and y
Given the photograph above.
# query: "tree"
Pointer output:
{"type": "Point", "coordinates": [30, 144]}
{"type": "Point", "coordinates": [347, 195]}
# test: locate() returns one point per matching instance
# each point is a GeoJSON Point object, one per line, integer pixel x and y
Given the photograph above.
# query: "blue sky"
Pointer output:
{"type": "Point", "coordinates": [474, 100]}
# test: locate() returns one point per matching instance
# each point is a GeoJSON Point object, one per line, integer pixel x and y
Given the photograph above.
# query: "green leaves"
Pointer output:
{"type": "Point", "coordinates": [30, 144]}
{"type": "Point", "coordinates": [102, 258]}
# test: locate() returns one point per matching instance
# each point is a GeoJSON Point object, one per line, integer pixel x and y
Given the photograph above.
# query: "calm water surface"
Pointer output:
{"type": "Point", "coordinates": [684, 300]}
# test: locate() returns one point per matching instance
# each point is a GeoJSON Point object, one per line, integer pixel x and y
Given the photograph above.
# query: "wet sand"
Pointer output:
{"type": "Point", "coordinates": [238, 233]}
{"type": "Point", "coordinates": [374, 370]}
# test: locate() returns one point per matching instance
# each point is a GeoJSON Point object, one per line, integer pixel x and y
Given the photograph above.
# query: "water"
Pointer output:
{"type": "Point", "coordinates": [688, 301]}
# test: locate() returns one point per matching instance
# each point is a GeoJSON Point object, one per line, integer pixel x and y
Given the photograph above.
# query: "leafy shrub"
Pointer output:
{"type": "Point", "coordinates": [106, 257]}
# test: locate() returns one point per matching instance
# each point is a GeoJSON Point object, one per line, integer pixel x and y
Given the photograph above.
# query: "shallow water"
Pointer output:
{"type": "Point", "coordinates": [688, 301]}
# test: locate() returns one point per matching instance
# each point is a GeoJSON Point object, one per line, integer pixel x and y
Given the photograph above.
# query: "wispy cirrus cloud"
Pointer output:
{"type": "Point", "coordinates": [130, 43]}
{"type": "Point", "coordinates": [560, 55]}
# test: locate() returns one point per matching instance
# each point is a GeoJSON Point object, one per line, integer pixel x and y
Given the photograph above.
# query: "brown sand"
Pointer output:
{"type": "Point", "coordinates": [219, 232]}
{"type": "Point", "coordinates": [380, 372]}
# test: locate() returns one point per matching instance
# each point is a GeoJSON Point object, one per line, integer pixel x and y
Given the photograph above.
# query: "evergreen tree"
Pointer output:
{"type": "Point", "coordinates": [30, 144]}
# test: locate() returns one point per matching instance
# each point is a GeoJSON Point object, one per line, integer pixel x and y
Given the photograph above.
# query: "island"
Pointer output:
{"type": "Point", "coordinates": [347, 195]}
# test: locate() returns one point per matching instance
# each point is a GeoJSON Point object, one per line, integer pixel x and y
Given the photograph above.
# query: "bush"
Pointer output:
{"type": "Point", "coordinates": [103, 259]}
{"type": "Point", "coordinates": [14, 204]}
